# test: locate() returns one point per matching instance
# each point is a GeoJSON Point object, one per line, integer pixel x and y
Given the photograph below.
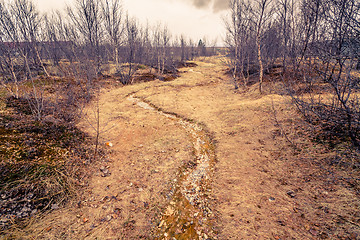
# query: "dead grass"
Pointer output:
{"type": "Point", "coordinates": [42, 162]}
{"type": "Point", "coordinates": [265, 186]}
{"type": "Point", "coordinates": [257, 164]}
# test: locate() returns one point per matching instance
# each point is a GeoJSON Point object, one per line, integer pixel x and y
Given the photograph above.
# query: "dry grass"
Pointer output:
{"type": "Point", "coordinates": [271, 180]}
{"type": "Point", "coordinates": [42, 162]}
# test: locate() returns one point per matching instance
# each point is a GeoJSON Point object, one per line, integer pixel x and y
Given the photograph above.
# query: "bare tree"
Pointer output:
{"type": "Point", "coordinates": [10, 29]}
{"type": "Point", "coordinates": [87, 18]}
{"type": "Point", "coordinates": [112, 12]}
{"type": "Point", "coordinates": [28, 20]}
{"type": "Point", "coordinates": [6, 56]}
{"type": "Point", "coordinates": [132, 40]}
{"type": "Point", "coordinates": [165, 47]}
{"type": "Point", "coordinates": [262, 14]}
{"type": "Point", "coordinates": [240, 39]}
{"type": "Point", "coordinates": [332, 55]}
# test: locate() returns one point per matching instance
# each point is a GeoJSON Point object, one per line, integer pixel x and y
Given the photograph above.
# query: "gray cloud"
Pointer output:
{"type": "Point", "coordinates": [201, 3]}
{"type": "Point", "coordinates": [215, 5]}
{"type": "Point", "coordinates": [220, 5]}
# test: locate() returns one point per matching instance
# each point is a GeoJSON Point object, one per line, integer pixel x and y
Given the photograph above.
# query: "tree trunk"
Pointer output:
{"type": "Point", "coordinates": [40, 61]}
{"type": "Point", "coordinates": [261, 67]}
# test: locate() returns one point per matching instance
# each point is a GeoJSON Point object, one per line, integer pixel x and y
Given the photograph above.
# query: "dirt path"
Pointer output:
{"type": "Point", "coordinates": [158, 182]}
{"type": "Point", "coordinates": [188, 213]}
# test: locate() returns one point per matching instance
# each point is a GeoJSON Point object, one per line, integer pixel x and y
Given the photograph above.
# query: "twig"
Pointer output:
{"type": "Point", "coordinates": [283, 133]}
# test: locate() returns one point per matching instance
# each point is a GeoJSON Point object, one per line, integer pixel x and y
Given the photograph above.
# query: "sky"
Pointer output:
{"type": "Point", "coordinates": [193, 18]}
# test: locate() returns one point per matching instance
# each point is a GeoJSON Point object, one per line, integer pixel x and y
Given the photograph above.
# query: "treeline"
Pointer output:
{"type": "Point", "coordinates": [315, 43]}
{"type": "Point", "coordinates": [90, 33]}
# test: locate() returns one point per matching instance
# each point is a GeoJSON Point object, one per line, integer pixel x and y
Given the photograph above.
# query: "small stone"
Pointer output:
{"type": "Point", "coordinates": [54, 206]}
{"type": "Point", "coordinates": [291, 194]}
{"type": "Point", "coordinates": [117, 211]}
{"type": "Point", "coordinates": [271, 199]}
{"type": "Point", "coordinates": [105, 171]}
{"type": "Point", "coordinates": [108, 218]}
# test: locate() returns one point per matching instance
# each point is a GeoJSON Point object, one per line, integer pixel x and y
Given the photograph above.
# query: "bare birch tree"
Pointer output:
{"type": "Point", "coordinates": [28, 20]}
{"type": "Point", "coordinates": [262, 13]}
{"type": "Point", "coordinates": [87, 18]}
{"type": "Point", "coordinates": [112, 12]}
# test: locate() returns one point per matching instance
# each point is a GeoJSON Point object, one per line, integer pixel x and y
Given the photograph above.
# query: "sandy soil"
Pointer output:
{"type": "Point", "coordinates": [261, 187]}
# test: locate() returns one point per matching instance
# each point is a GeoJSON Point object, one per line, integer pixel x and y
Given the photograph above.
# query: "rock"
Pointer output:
{"type": "Point", "coordinates": [54, 206]}
{"type": "Point", "coordinates": [108, 218]}
{"type": "Point", "coordinates": [105, 171]}
{"type": "Point", "coordinates": [271, 199]}
{"type": "Point", "coordinates": [117, 211]}
{"type": "Point", "coordinates": [291, 194]}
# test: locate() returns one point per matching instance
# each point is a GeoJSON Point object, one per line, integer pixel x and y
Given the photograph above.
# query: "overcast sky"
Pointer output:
{"type": "Point", "coordinates": [194, 18]}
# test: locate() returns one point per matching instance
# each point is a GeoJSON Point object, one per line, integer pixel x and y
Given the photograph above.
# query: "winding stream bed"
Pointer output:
{"type": "Point", "coordinates": [188, 214]}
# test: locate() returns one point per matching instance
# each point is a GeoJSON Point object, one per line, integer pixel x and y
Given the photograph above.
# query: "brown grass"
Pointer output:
{"type": "Point", "coordinates": [265, 186]}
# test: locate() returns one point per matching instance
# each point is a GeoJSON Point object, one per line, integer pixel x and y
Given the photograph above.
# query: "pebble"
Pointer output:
{"type": "Point", "coordinates": [54, 206]}
{"type": "Point", "coordinates": [291, 194]}
{"type": "Point", "coordinates": [105, 171]}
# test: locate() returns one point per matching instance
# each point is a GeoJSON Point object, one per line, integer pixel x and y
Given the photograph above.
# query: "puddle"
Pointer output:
{"type": "Point", "coordinates": [188, 214]}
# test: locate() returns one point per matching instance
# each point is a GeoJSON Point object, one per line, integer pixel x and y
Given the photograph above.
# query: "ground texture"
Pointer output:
{"type": "Point", "coordinates": [268, 180]}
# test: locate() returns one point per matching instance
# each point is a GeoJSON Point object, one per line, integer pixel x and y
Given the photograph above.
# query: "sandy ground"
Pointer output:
{"type": "Point", "coordinates": [261, 187]}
